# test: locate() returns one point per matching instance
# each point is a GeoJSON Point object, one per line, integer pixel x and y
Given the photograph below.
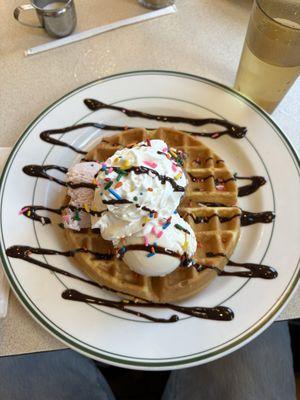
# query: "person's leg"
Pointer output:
{"type": "Point", "coordinates": [56, 375]}
{"type": "Point", "coordinates": [261, 370]}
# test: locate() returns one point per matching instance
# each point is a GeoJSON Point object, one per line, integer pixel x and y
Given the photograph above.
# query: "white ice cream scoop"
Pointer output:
{"type": "Point", "coordinates": [156, 238]}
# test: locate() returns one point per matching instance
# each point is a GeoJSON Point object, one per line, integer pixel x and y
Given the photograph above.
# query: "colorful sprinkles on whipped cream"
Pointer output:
{"type": "Point", "coordinates": [115, 194]}
{"type": "Point", "coordinates": [150, 164]}
{"type": "Point", "coordinates": [117, 173]}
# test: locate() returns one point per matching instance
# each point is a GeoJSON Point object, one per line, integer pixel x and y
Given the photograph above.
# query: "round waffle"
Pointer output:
{"type": "Point", "coordinates": [209, 206]}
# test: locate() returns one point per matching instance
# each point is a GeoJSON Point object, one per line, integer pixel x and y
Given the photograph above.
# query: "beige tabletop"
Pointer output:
{"type": "Point", "coordinates": [204, 37]}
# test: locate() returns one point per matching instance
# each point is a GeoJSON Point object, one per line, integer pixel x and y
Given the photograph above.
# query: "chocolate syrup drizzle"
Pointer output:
{"type": "Point", "coordinates": [205, 220]}
{"type": "Point", "coordinates": [40, 171]}
{"type": "Point", "coordinates": [125, 201]}
{"type": "Point", "coordinates": [115, 201]}
{"type": "Point", "coordinates": [233, 130]}
{"type": "Point", "coordinates": [250, 218]}
{"type": "Point", "coordinates": [254, 270]}
{"type": "Point", "coordinates": [163, 178]}
{"type": "Point", "coordinates": [31, 212]}
{"type": "Point", "coordinates": [149, 171]}
{"type": "Point", "coordinates": [24, 252]}
{"type": "Point", "coordinates": [218, 313]}
{"type": "Point", "coordinates": [46, 136]}
{"type": "Point", "coordinates": [205, 178]}
{"type": "Point", "coordinates": [256, 182]}
{"type": "Point", "coordinates": [247, 217]}
{"type": "Point", "coordinates": [212, 204]}
{"type": "Point", "coordinates": [71, 294]}
{"type": "Point", "coordinates": [143, 247]}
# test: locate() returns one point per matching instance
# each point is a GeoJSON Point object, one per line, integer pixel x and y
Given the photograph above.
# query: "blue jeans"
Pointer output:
{"type": "Point", "coordinates": [261, 370]}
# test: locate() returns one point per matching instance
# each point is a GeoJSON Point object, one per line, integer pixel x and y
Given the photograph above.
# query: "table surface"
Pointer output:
{"type": "Point", "coordinates": [204, 37]}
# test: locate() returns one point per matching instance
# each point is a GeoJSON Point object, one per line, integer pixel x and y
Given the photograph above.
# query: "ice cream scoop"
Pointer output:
{"type": "Point", "coordinates": [160, 247]}
{"type": "Point", "coordinates": [81, 197]}
{"type": "Point", "coordinates": [161, 242]}
{"type": "Point", "coordinates": [83, 172]}
{"type": "Point", "coordinates": [138, 190]}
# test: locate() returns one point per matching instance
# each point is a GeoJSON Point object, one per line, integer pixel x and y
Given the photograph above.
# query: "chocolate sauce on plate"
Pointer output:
{"type": "Point", "coordinates": [231, 129]}
{"type": "Point", "coordinates": [40, 171]}
{"type": "Point", "coordinates": [218, 313]}
{"type": "Point", "coordinates": [24, 253]}
{"type": "Point", "coordinates": [250, 218]}
{"type": "Point", "coordinates": [46, 136]}
{"type": "Point", "coordinates": [71, 294]}
{"type": "Point", "coordinates": [254, 270]}
{"type": "Point", "coordinates": [256, 182]}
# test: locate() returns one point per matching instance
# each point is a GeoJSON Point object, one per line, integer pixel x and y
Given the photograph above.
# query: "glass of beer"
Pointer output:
{"type": "Point", "coordinates": [270, 61]}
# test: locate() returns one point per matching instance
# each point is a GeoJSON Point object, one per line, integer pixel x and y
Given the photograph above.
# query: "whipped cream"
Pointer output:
{"type": "Point", "coordinates": [169, 233]}
{"type": "Point", "coordinates": [150, 188]}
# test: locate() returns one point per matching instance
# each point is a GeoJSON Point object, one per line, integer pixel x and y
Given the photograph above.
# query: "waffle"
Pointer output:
{"type": "Point", "coordinates": [216, 228]}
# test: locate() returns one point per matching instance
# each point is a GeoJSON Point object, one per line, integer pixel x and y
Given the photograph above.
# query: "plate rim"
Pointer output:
{"type": "Point", "coordinates": [257, 328]}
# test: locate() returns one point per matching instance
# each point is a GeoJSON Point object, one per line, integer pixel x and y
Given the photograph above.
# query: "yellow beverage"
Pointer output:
{"type": "Point", "coordinates": [270, 61]}
{"type": "Point", "coordinates": [265, 83]}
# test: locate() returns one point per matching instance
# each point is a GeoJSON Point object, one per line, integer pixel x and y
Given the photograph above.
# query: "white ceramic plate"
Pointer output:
{"type": "Point", "coordinates": [112, 336]}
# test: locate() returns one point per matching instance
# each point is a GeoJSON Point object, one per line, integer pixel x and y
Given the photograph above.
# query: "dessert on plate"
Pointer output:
{"type": "Point", "coordinates": [141, 197]}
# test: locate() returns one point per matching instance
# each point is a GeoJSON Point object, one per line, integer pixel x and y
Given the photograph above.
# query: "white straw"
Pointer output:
{"type": "Point", "coordinates": [96, 31]}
